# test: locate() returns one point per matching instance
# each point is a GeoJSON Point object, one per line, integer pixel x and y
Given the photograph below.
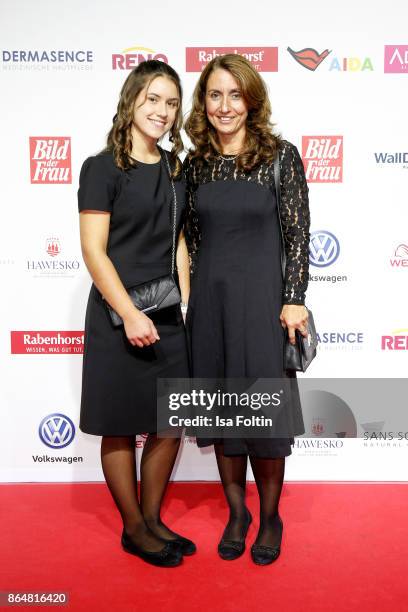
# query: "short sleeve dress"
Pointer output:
{"type": "Point", "coordinates": [119, 380]}
{"type": "Point", "coordinates": [237, 292]}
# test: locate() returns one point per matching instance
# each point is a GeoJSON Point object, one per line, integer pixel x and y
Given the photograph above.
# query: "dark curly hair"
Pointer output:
{"type": "Point", "coordinates": [119, 138]}
{"type": "Point", "coordinates": [260, 142]}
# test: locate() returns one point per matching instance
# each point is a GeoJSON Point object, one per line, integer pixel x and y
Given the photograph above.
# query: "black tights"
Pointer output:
{"type": "Point", "coordinates": [269, 474]}
{"type": "Point", "coordinates": [142, 520]}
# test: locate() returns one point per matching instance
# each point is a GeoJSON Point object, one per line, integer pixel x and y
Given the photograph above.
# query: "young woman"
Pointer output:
{"type": "Point", "coordinates": [239, 304]}
{"type": "Point", "coordinates": [126, 212]}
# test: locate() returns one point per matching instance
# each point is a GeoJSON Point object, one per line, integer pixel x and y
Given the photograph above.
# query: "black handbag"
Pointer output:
{"type": "Point", "coordinates": [160, 292]}
{"type": "Point", "coordinates": [296, 356]}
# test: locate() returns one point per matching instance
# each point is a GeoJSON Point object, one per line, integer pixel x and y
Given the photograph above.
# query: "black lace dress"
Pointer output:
{"type": "Point", "coordinates": [237, 291]}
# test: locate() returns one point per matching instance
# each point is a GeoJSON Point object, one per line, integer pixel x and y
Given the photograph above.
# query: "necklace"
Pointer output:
{"type": "Point", "coordinates": [229, 158]}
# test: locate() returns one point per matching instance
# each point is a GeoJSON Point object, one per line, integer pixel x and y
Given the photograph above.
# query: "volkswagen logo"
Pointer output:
{"type": "Point", "coordinates": [324, 248]}
{"type": "Point", "coordinates": [56, 430]}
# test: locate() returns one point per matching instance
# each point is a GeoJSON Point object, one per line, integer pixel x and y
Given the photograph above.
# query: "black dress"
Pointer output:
{"type": "Point", "coordinates": [119, 380]}
{"type": "Point", "coordinates": [237, 292]}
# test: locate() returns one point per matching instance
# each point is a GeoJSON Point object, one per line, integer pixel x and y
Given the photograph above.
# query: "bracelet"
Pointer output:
{"type": "Point", "coordinates": [183, 306]}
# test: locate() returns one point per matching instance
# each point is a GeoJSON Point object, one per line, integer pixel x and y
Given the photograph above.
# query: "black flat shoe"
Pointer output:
{"type": "Point", "coordinates": [184, 545]}
{"type": "Point", "coordinates": [264, 555]}
{"type": "Point", "coordinates": [229, 550]}
{"type": "Point", "coordinates": [168, 556]}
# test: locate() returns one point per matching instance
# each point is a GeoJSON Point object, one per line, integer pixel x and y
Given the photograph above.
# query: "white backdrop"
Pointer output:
{"type": "Point", "coordinates": [56, 111]}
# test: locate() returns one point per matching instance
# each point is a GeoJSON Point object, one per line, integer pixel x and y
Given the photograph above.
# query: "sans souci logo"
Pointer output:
{"type": "Point", "coordinates": [396, 341]}
{"type": "Point", "coordinates": [133, 56]}
{"type": "Point", "coordinates": [41, 59]}
{"type": "Point", "coordinates": [47, 342]}
{"type": "Point", "coordinates": [56, 430]}
{"type": "Point", "coordinates": [50, 160]}
{"type": "Point", "coordinates": [54, 266]}
{"type": "Point", "coordinates": [396, 59]}
{"type": "Point", "coordinates": [340, 340]}
{"type": "Point", "coordinates": [323, 158]}
{"type": "Point", "coordinates": [309, 58]}
{"type": "Point", "coordinates": [400, 259]}
{"type": "Point", "coordinates": [263, 59]}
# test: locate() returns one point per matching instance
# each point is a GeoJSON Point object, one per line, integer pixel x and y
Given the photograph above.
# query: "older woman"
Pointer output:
{"type": "Point", "coordinates": [239, 305]}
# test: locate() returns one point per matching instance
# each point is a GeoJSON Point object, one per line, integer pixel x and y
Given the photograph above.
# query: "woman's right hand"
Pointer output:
{"type": "Point", "coordinates": [140, 330]}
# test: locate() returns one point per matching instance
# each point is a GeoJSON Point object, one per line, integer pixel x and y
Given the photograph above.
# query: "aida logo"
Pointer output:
{"type": "Point", "coordinates": [397, 341]}
{"type": "Point", "coordinates": [400, 258]}
{"type": "Point", "coordinates": [323, 158]}
{"type": "Point", "coordinates": [396, 59]}
{"type": "Point", "coordinates": [309, 58]}
{"type": "Point", "coordinates": [50, 160]}
{"type": "Point", "coordinates": [351, 64]}
{"type": "Point", "coordinates": [53, 247]}
{"type": "Point", "coordinates": [133, 56]}
{"type": "Point", "coordinates": [47, 342]}
{"type": "Point", "coordinates": [263, 59]}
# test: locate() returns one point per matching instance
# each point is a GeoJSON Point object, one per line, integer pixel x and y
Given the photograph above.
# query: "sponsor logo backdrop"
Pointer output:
{"type": "Point", "coordinates": [338, 92]}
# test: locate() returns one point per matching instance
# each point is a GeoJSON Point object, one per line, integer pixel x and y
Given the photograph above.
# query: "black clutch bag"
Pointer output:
{"type": "Point", "coordinates": [296, 356]}
{"type": "Point", "coordinates": [300, 355]}
{"type": "Point", "coordinates": [161, 292]}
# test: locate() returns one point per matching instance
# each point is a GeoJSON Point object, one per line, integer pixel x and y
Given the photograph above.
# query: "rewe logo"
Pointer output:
{"type": "Point", "coordinates": [133, 56]}
{"type": "Point", "coordinates": [309, 58]}
{"type": "Point", "coordinates": [323, 158]}
{"type": "Point", "coordinates": [263, 59]}
{"type": "Point", "coordinates": [47, 342]}
{"type": "Point", "coordinates": [50, 159]}
{"type": "Point", "coordinates": [396, 58]}
{"type": "Point", "coordinates": [398, 341]}
{"type": "Point", "coordinates": [400, 259]}
{"type": "Point", "coordinates": [53, 247]}
{"type": "Point", "coordinates": [351, 64]}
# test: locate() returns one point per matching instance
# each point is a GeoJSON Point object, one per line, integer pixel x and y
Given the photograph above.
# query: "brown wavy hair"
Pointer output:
{"type": "Point", "coordinates": [119, 140]}
{"type": "Point", "coordinates": [260, 142]}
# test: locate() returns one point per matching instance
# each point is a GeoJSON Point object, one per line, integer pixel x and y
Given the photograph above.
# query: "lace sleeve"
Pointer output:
{"type": "Point", "coordinates": [191, 227]}
{"type": "Point", "coordinates": [295, 218]}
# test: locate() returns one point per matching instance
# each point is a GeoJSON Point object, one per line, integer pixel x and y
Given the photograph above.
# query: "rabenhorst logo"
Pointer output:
{"type": "Point", "coordinates": [309, 58]}
{"type": "Point", "coordinates": [323, 158]}
{"type": "Point", "coordinates": [133, 56]}
{"type": "Point", "coordinates": [47, 342]}
{"type": "Point", "coordinates": [340, 340]}
{"type": "Point", "coordinates": [264, 59]}
{"type": "Point", "coordinates": [396, 341]}
{"type": "Point", "coordinates": [400, 259]}
{"type": "Point", "coordinates": [396, 59]}
{"type": "Point", "coordinates": [50, 160]}
{"type": "Point", "coordinates": [397, 157]}
{"type": "Point", "coordinates": [55, 266]}
{"type": "Point", "coordinates": [42, 59]}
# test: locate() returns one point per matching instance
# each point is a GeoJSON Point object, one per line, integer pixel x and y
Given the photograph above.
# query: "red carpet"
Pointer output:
{"type": "Point", "coordinates": [344, 548]}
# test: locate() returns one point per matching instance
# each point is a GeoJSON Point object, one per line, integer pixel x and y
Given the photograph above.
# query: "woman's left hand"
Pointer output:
{"type": "Point", "coordinates": [292, 317]}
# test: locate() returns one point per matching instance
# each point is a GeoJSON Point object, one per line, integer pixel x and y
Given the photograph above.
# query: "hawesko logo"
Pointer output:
{"type": "Point", "coordinates": [50, 160]}
{"type": "Point", "coordinates": [400, 259]}
{"type": "Point", "coordinates": [133, 56]}
{"type": "Point", "coordinates": [397, 341]}
{"type": "Point", "coordinates": [323, 158]}
{"type": "Point", "coordinates": [53, 247]}
{"type": "Point", "coordinates": [324, 248]}
{"type": "Point", "coordinates": [56, 430]}
{"type": "Point", "coordinates": [309, 58]}
{"type": "Point", "coordinates": [47, 342]}
{"type": "Point", "coordinates": [264, 59]}
{"type": "Point", "coordinates": [396, 58]}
